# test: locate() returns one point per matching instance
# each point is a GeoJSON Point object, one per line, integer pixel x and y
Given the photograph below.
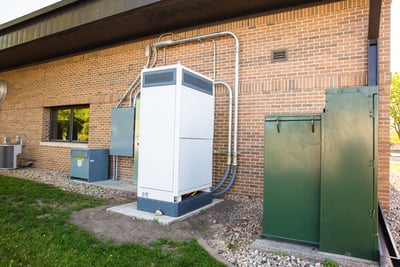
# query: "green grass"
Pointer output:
{"type": "Point", "coordinates": [35, 231]}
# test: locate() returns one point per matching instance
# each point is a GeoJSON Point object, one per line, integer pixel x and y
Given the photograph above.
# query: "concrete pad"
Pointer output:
{"type": "Point", "coordinates": [131, 210]}
{"type": "Point", "coordinates": [308, 252]}
{"type": "Point", "coordinates": [120, 185]}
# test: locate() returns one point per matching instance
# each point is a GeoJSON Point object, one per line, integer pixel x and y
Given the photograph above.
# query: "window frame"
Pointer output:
{"type": "Point", "coordinates": [54, 112]}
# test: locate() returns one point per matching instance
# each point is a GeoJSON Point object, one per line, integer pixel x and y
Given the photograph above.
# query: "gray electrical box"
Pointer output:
{"type": "Point", "coordinates": [122, 131]}
{"type": "Point", "coordinates": [6, 156]}
{"type": "Point", "coordinates": [89, 163]}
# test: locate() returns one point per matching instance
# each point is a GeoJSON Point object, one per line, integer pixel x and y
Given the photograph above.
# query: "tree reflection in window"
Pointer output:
{"type": "Point", "coordinates": [70, 124]}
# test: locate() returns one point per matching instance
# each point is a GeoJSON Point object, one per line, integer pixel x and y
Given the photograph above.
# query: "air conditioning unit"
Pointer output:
{"type": "Point", "coordinates": [175, 140]}
{"type": "Point", "coordinates": [9, 155]}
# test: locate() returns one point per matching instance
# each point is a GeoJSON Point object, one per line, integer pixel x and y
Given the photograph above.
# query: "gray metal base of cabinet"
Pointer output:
{"type": "Point", "coordinates": [175, 209]}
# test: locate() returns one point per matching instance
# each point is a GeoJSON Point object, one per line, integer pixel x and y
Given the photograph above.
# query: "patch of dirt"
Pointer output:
{"type": "Point", "coordinates": [108, 225]}
{"type": "Point", "coordinates": [220, 225]}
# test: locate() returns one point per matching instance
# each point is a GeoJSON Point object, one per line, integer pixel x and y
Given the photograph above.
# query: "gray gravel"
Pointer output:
{"type": "Point", "coordinates": [61, 180]}
{"type": "Point", "coordinates": [231, 242]}
{"type": "Point", "coordinates": [393, 214]}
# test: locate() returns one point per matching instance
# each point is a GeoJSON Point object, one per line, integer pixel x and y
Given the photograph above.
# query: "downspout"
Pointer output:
{"type": "Point", "coordinates": [373, 70]}
{"type": "Point", "coordinates": [166, 43]}
{"type": "Point", "coordinates": [374, 17]}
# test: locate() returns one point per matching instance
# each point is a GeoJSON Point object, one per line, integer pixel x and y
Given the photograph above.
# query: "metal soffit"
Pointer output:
{"type": "Point", "coordinates": [73, 26]}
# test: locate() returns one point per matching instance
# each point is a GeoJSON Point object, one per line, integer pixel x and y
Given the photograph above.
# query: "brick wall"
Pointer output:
{"type": "Point", "coordinates": [327, 48]}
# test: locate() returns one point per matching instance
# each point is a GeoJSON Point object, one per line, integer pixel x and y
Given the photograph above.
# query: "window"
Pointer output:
{"type": "Point", "coordinates": [70, 124]}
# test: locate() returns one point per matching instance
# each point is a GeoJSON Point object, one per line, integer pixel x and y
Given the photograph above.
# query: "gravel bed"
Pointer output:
{"type": "Point", "coordinates": [61, 180]}
{"type": "Point", "coordinates": [233, 240]}
{"type": "Point", "coordinates": [392, 215]}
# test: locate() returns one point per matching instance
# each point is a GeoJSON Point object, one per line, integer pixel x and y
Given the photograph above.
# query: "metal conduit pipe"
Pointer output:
{"type": "Point", "coordinates": [127, 91]}
{"type": "Point", "coordinates": [166, 43]}
{"type": "Point", "coordinates": [229, 118]}
{"type": "Point", "coordinates": [228, 164]}
{"type": "Point", "coordinates": [115, 158]}
{"type": "Point", "coordinates": [138, 91]}
{"type": "Point", "coordinates": [130, 95]}
{"type": "Point", "coordinates": [215, 59]}
{"type": "Point", "coordinates": [133, 85]}
{"type": "Point", "coordinates": [216, 194]}
{"type": "Point", "coordinates": [113, 165]}
{"type": "Point", "coordinates": [136, 97]}
{"type": "Point", "coordinates": [116, 168]}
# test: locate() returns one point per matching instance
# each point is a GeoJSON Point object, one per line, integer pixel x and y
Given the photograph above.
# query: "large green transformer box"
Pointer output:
{"type": "Point", "coordinates": [348, 184]}
{"type": "Point", "coordinates": [320, 184]}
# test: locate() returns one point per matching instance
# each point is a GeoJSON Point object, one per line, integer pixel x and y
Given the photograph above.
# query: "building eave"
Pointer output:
{"type": "Point", "coordinates": [73, 26]}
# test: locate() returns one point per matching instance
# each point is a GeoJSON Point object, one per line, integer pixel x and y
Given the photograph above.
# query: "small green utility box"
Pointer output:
{"type": "Point", "coordinates": [292, 177]}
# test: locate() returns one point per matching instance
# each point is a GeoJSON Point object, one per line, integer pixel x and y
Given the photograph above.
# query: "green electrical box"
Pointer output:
{"type": "Point", "coordinates": [292, 177]}
{"type": "Point", "coordinates": [320, 177]}
{"type": "Point", "coordinates": [348, 180]}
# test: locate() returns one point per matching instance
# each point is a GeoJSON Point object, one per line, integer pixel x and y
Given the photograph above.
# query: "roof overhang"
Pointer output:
{"type": "Point", "coordinates": [72, 26]}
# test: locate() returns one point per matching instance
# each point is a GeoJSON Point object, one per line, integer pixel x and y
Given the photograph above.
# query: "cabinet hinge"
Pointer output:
{"type": "Point", "coordinates": [372, 163]}
{"type": "Point", "coordinates": [371, 213]}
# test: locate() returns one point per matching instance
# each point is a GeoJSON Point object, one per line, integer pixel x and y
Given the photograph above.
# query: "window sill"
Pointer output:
{"type": "Point", "coordinates": [66, 144]}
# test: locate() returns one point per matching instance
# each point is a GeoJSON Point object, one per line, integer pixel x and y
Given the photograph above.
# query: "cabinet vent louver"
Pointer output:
{"type": "Point", "coordinates": [279, 55]}
{"type": "Point", "coordinates": [159, 78]}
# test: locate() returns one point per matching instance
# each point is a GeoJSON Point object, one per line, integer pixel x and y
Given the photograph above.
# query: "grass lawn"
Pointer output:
{"type": "Point", "coordinates": [35, 231]}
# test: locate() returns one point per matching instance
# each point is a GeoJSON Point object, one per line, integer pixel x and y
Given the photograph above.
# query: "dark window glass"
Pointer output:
{"type": "Point", "coordinates": [70, 124]}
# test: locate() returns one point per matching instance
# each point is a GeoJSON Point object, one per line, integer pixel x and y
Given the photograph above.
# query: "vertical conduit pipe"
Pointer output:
{"type": "Point", "coordinates": [152, 65]}
{"type": "Point", "coordinates": [166, 43]}
{"type": "Point", "coordinates": [116, 168]}
{"type": "Point", "coordinates": [131, 88]}
{"type": "Point", "coordinates": [228, 163]}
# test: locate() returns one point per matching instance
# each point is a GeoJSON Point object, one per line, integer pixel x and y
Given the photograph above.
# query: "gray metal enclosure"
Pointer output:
{"type": "Point", "coordinates": [90, 164]}
{"type": "Point", "coordinates": [122, 131]}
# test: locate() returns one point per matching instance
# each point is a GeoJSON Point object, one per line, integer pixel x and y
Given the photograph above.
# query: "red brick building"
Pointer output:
{"type": "Point", "coordinates": [325, 45]}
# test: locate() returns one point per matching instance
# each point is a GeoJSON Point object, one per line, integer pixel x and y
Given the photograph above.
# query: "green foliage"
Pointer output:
{"type": "Point", "coordinates": [35, 231]}
{"type": "Point", "coordinates": [394, 138]}
{"type": "Point", "coordinates": [395, 102]}
{"type": "Point", "coordinates": [330, 263]}
{"type": "Point", "coordinates": [81, 123]}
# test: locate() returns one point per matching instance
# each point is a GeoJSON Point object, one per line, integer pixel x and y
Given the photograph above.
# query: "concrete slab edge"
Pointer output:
{"type": "Point", "coordinates": [131, 210]}
{"type": "Point", "coordinates": [213, 252]}
{"type": "Point", "coordinates": [309, 253]}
